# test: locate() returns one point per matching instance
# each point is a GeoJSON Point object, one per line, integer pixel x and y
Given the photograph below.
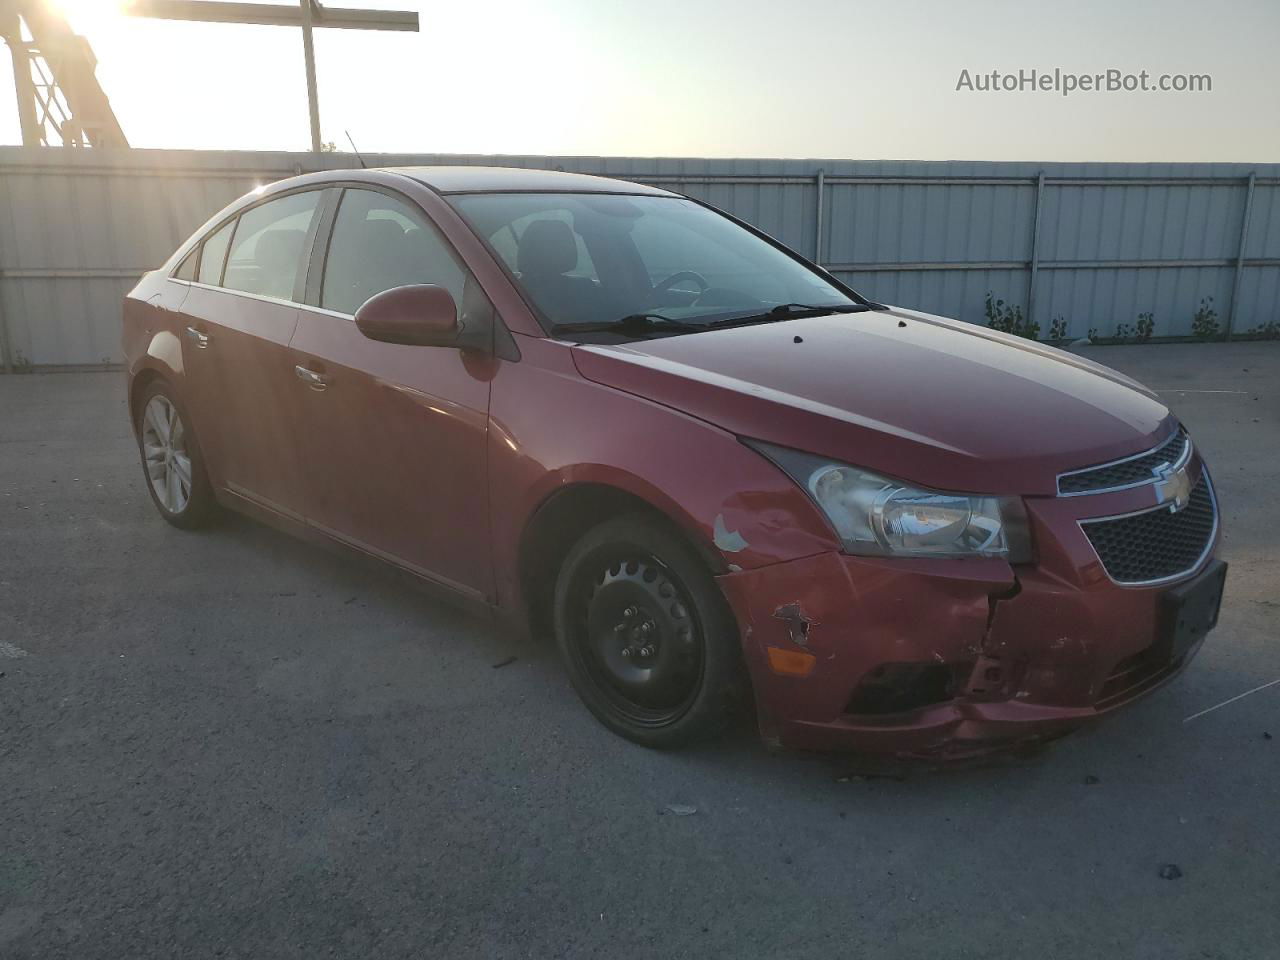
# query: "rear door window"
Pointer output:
{"type": "Point", "coordinates": [213, 253]}
{"type": "Point", "coordinates": [380, 242]}
{"type": "Point", "coordinates": [270, 246]}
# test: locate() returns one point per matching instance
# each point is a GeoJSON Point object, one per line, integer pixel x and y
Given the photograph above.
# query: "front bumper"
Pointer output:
{"type": "Point", "coordinates": [1027, 654]}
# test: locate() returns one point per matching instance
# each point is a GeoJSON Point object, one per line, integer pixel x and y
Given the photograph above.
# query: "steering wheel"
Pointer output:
{"type": "Point", "coordinates": [683, 275]}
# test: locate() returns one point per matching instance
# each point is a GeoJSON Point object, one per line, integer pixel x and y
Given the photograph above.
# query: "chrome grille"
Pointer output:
{"type": "Point", "coordinates": [1130, 472]}
{"type": "Point", "coordinates": [1156, 544]}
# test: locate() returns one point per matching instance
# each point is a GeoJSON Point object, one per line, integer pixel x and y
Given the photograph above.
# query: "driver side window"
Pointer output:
{"type": "Point", "coordinates": [379, 243]}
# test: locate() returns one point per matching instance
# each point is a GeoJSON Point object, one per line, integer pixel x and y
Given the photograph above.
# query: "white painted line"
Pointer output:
{"type": "Point", "coordinates": [1232, 700]}
{"type": "Point", "coordinates": [10, 651]}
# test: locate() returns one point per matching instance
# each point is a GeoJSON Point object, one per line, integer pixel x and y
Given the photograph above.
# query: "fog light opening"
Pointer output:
{"type": "Point", "coordinates": [901, 687]}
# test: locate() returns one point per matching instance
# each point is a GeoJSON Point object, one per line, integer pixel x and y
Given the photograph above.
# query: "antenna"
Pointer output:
{"type": "Point", "coordinates": [356, 150]}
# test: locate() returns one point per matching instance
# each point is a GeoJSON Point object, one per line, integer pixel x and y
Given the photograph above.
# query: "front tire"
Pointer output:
{"type": "Point", "coordinates": [646, 636]}
{"type": "Point", "coordinates": [171, 459]}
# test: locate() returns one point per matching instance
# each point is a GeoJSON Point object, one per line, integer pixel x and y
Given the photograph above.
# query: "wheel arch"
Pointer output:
{"type": "Point", "coordinates": [564, 516]}
{"type": "Point", "coordinates": [138, 385]}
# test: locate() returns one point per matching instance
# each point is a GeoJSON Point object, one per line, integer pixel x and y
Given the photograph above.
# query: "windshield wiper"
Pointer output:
{"type": "Point", "coordinates": [633, 324]}
{"type": "Point", "coordinates": [641, 324]}
{"type": "Point", "coordinates": [787, 311]}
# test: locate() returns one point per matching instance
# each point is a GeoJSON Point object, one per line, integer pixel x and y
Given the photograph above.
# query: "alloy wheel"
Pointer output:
{"type": "Point", "coordinates": [164, 449]}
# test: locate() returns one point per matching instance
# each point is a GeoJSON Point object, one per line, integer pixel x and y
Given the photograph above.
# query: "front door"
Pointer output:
{"type": "Point", "coordinates": [394, 436]}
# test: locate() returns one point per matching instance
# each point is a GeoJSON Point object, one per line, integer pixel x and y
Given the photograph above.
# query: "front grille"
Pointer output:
{"type": "Point", "coordinates": [1157, 544]}
{"type": "Point", "coordinates": [1125, 473]}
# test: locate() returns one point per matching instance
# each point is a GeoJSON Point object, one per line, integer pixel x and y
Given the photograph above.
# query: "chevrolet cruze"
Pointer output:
{"type": "Point", "coordinates": [718, 475]}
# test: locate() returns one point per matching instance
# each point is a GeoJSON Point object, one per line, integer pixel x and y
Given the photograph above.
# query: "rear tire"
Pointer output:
{"type": "Point", "coordinates": [171, 459]}
{"type": "Point", "coordinates": [647, 638]}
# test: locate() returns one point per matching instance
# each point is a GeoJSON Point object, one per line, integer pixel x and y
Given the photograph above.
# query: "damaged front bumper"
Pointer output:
{"type": "Point", "coordinates": [942, 658]}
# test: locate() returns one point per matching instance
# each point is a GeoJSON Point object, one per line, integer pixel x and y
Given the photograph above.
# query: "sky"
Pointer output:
{"type": "Point", "coordinates": [719, 78]}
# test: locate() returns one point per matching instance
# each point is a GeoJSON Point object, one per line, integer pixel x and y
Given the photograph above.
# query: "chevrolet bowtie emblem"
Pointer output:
{"type": "Point", "coordinates": [1173, 486]}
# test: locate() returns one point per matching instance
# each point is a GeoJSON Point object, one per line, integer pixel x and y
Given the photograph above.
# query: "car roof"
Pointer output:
{"type": "Point", "coordinates": [516, 179]}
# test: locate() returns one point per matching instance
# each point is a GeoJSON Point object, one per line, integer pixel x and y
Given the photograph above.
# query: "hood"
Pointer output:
{"type": "Point", "coordinates": [936, 402]}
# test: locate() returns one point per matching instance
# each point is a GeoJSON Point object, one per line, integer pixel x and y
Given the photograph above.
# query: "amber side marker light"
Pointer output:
{"type": "Point", "coordinates": [791, 663]}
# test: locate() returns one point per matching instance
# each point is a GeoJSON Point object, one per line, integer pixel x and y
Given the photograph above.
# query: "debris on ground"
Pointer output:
{"type": "Point", "coordinates": [897, 777]}
{"type": "Point", "coordinates": [1090, 780]}
{"type": "Point", "coordinates": [681, 809]}
{"type": "Point", "coordinates": [504, 663]}
{"type": "Point", "coordinates": [1170, 871]}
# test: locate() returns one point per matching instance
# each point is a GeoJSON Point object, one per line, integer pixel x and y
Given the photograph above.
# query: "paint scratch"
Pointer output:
{"type": "Point", "coordinates": [730, 541]}
{"type": "Point", "coordinates": [797, 622]}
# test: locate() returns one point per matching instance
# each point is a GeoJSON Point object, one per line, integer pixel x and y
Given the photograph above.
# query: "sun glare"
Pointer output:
{"type": "Point", "coordinates": [85, 15]}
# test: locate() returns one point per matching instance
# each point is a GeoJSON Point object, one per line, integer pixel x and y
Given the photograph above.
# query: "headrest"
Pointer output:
{"type": "Point", "coordinates": [279, 250]}
{"type": "Point", "coordinates": [547, 247]}
{"type": "Point", "coordinates": [381, 233]}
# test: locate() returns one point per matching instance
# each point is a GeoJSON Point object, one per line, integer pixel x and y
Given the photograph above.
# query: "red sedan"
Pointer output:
{"type": "Point", "coordinates": [715, 472]}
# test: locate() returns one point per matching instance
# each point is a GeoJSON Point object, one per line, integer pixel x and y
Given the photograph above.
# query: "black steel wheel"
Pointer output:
{"type": "Point", "coordinates": [645, 634]}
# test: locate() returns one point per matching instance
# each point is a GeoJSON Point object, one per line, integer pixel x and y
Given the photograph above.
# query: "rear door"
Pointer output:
{"type": "Point", "coordinates": [395, 434]}
{"type": "Point", "coordinates": [241, 313]}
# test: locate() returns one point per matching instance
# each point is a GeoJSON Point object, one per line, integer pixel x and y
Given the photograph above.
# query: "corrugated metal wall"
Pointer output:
{"type": "Point", "coordinates": [1104, 242]}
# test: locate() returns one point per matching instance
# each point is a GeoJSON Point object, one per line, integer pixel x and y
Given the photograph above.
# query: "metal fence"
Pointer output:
{"type": "Point", "coordinates": [1080, 248]}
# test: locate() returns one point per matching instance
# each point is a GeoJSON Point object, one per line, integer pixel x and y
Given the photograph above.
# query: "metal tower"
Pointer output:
{"type": "Point", "coordinates": [59, 99]}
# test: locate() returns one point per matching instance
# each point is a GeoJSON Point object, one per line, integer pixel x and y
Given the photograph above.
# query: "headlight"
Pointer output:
{"type": "Point", "coordinates": [878, 516]}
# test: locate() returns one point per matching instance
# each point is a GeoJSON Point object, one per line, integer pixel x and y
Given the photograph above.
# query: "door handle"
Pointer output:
{"type": "Point", "coordinates": [312, 379]}
{"type": "Point", "coordinates": [201, 339]}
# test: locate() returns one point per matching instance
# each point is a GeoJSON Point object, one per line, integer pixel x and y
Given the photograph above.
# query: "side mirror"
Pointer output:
{"type": "Point", "coordinates": [422, 314]}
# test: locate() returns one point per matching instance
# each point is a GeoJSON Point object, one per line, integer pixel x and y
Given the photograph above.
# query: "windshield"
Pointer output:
{"type": "Point", "coordinates": [597, 258]}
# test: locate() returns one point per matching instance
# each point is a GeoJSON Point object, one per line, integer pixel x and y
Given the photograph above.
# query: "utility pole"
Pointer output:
{"type": "Point", "coordinates": [308, 15]}
{"type": "Point", "coordinates": [309, 56]}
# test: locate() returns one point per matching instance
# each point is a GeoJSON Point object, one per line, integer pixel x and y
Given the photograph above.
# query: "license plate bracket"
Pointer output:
{"type": "Point", "coordinates": [1190, 610]}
